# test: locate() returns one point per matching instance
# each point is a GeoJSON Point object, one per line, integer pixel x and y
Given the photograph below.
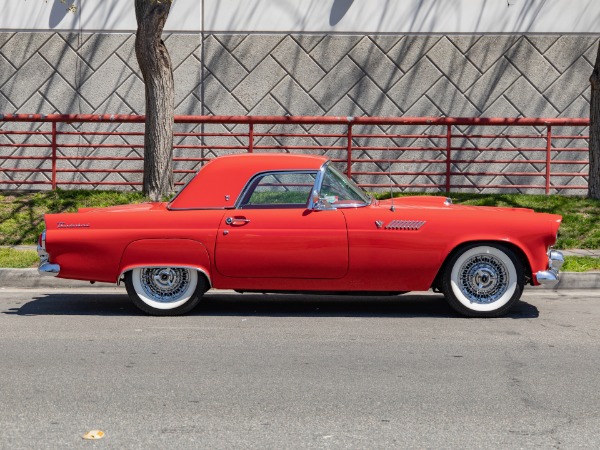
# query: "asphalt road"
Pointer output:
{"type": "Point", "coordinates": [263, 372]}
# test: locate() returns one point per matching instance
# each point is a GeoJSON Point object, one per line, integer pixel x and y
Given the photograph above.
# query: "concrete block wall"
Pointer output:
{"type": "Point", "coordinates": [308, 74]}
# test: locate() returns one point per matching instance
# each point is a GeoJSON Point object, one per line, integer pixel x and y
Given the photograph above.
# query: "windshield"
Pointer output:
{"type": "Point", "coordinates": [338, 190]}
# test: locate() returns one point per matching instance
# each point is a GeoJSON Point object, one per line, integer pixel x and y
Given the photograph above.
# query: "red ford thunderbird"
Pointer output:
{"type": "Point", "coordinates": [293, 223]}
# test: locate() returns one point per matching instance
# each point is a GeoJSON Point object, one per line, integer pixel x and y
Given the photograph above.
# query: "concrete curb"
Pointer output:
{"type": "Point", "coordinates": [29, 278]}
{"type": "Point", "coordinates": [578, 280]}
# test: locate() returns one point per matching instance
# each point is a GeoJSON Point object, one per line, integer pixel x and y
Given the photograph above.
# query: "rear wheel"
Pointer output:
{"type": "Point", "coordinates": [165, 291]}
{"type": "Point", "coordinates": [483, 280]}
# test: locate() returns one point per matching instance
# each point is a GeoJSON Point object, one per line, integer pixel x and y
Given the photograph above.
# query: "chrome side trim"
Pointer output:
{"type": "Point", "coordinates": [351, 205]}
{"type": "Point", "coordinates": [200, 209]}
{"type": "Point", "coordinates": [176, 267]}
{"type": "Point", "coordinates": [46, 268]}
{"type": "Point", "coordinates": [405, 224]}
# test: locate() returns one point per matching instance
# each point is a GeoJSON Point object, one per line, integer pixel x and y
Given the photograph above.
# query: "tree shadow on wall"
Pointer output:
{"type": "Point", "coordinates": [339, 10]}
{"type": "Point", "coordinates": [59, 10]}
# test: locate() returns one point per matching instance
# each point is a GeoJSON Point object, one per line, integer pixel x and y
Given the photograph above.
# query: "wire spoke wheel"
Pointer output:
{"type": "Point", "coordinates": [164, 290]}
{"type": "Point", "coordinates": [483, 280]}
{"type": "Point", "coordinates": [165, 284]}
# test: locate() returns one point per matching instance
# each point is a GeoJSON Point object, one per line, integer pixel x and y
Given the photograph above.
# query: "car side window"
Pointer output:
{"type": "Point", "coordinates": [279, 190]}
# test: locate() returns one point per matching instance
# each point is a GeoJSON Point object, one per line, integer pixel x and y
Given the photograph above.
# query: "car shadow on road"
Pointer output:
{"type": "Point", "coordinates": [281, 305]}
{"type": "Point", "coordinates": [79, 304]}
{"type": "Point", "coordinates": [261, 305]}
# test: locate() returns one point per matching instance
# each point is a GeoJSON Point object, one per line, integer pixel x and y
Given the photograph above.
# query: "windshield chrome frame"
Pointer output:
{"type": "Point", "coordinates": [317, 191]}
{"type": "Point", "coordinates": [317, 186]}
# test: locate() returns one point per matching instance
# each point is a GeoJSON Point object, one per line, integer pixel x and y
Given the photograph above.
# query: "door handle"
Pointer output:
{"type": "Point", "coordinates": [236, 220]}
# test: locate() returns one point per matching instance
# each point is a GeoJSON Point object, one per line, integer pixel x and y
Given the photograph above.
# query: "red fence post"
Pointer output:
{"type": "Point", "coordinates": [250, 137]}
{"type": "Point", "coordinates": [349, 152]}
{"type": "Point", "coordinates": [448, 155]}
{"type": "Point", "coordinates": [548, 159]}
{"type": "Point", "coordinates": [54, 155]}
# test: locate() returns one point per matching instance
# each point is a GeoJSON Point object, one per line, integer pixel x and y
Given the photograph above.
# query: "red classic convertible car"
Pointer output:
{"type": "Point", "coordinates": [293, 223]}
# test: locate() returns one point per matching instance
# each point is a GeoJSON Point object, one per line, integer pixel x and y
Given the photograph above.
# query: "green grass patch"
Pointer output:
{"type": "Point", "coordinates": [22, 214]}
{"type": "Point", "coordinates": [580, 264]}
{"type": "Point", "coordinates": [22, 259]}
{"type": "Point", "coordinates": [18, 259]}
{"type": "Point", "coordinates": [580, 227]}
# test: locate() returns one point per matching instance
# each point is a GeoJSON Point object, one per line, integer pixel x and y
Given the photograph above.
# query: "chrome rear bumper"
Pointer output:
{"type": "Point", "coordinates": [550, 277]}
{"type": "Point", "coordinates": [46, 268]}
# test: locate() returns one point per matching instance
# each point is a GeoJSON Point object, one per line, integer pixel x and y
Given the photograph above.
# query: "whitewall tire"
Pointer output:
{"type": "Point", "coordinates": [165, 291]}
{"type": "Point", "coordinates": [483, 280]}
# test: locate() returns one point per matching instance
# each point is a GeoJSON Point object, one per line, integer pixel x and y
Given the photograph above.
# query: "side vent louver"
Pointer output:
{"type": "Point", "coordinates": [405, 225]}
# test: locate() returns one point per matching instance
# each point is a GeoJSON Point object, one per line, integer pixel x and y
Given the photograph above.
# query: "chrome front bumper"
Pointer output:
{"type": "Point", "coordinates": [46, 268]}
{"type": "Point", "coordinates": [550, 277]}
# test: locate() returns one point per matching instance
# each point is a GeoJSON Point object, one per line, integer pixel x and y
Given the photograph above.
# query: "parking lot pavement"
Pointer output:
{"type": "Point", "coordinates": [276, 371]}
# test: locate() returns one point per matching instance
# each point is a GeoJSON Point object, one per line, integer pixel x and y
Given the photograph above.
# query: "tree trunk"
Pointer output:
{"type": "Point", "coordinates": [594, 178]}
{"type": "Point", "coordinates": [155, 64]}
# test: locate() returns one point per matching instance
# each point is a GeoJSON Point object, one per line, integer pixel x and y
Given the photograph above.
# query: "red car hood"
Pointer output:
{"type": "Point", "coordinates": [437, 201]}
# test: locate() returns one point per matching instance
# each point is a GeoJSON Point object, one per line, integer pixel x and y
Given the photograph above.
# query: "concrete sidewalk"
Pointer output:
{"type": "Point", "coordinates": [581, 252]}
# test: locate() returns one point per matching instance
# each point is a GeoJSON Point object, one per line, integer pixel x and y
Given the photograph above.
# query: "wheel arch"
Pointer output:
{"type": "Point", "coordinates": [202, 272]}
{"type": "Point", "coordinates": [518, 251]}
{"type": "Point", "coordinates": [180, 253]}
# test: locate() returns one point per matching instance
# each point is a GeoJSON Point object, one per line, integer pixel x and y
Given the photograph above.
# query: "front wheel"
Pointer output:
{"type": "Point", "coordinates": [164, 291]}
{"type": "Point", "coordinates": [483, 280]}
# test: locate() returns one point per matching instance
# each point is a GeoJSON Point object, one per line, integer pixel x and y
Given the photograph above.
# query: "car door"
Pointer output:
{"type": "Point", "coordinates": [272, 233]}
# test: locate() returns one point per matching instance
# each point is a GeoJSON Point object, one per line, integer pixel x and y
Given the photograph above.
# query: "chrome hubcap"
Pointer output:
{"type": "Point", "coordinates": [483, 279]}
{"type": "Point", "coordinates": [165, 284]}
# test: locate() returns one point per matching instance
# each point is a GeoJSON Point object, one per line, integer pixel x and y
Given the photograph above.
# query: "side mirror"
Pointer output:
{"type": "Point", "coordinates": [320, 204]}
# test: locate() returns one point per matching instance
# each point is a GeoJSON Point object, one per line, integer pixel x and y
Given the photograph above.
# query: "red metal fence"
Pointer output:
{"type": "Point", "coordinates": [425, 153]}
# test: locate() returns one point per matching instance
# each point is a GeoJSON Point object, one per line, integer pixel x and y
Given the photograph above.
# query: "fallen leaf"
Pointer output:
{"type": "Point", "coordinates": [94, 434]}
